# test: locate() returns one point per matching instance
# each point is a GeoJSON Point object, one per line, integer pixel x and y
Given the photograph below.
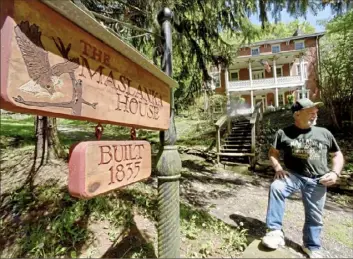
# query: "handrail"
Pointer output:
{"type": "Point", "coordinates": [221, 121]}
{"type": "Point", "coordinates": [254, 120]}
{"type": "Point", "coordinates": [219, 125]}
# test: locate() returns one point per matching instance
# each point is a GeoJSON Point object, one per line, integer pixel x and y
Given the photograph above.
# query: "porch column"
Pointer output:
{"type": "Point", "coordinates": [301, 67]}
{"type": "Point", "coordinates": [284, 98]}
{"type": "Point", "coordinates": [274, 71]}
{"type": "Point", "coordinates": [226, 84]}
{"type": "Point", "coordinates": [276, 98]}
{"type": "Point", "coordinates": [250, 72]}
{"type": "Point", "coordinates": [252, 100]}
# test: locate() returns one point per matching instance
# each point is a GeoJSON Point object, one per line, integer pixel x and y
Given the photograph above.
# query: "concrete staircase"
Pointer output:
{"type": "Point", "coordinates": [236, 146]}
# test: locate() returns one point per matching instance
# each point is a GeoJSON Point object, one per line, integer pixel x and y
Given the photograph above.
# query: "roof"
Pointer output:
{"type": "Point", "coordinates": [298, 37]}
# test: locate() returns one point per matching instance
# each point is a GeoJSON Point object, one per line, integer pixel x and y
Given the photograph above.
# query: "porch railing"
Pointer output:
{"type": "Point", "coordinates": [265, 82]}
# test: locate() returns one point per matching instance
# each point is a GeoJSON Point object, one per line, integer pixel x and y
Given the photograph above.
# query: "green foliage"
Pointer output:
{"type": "Point", "coordinates": [336, 66]}
{"type": "Point", "coordinates": [194, 221]}
{"type": "Point", "coordinates": [290, 99]}
{"type": "Point", "coordinates": [204, 32]}
{"type": "Point", "coordinates": [54, 224]}
{"type": "Point", "coordinates": [283, 30]}
{"type": "Point", "coordinates": [218, 99]}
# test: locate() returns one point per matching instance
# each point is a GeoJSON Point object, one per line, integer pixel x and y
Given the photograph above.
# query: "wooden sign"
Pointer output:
{"type": "Point", "coordinates": [96, 167]}
{"type": "Point", "coordinates": [51, 66]}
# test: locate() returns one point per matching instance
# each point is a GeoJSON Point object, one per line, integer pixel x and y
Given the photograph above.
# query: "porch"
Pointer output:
{"type": "Point", "coordinates": [268, 80]}
{"type": "Point", "coordinates": [271, 98]}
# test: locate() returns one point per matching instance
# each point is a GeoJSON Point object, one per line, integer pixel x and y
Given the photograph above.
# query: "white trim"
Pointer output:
{"type": "Point", "coordinates": [255, 48]}
{"type": "Point", "coordinates": [297, 69]}
{"type": "Point", "coordinates": [299, 41]}
{"type": "Point", "coordinates": [275, 45]}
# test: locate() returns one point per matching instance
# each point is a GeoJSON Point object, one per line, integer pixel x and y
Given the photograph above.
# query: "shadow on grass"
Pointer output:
{"type": "Point", "coordinates": [131, 246]}
{"type": "Point", "coordinates": [44, 222]}
{"type": "Point", "coordinates": [48, 222]}
{"type": "Point", "coordinates": [16, 134]}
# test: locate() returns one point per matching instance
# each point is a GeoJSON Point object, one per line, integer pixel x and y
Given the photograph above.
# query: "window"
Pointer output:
{"type": "Point", "coordinates": [280, 99]}
{"type": "Point", "coordinates": [304, 95]}
{"type": "Point", "coordinates": [299, 45]}
{"type": "Point", "coordinates": [305, 70]}
{"type": "Point", "coordinates": [255, 51]}
{"type": "Point", "coordinates": [276, 48]}
{"type": "Point", "coordinates": [279, 71]}
{"type": "Point", "coordinates": [233, 76]}
{"type": "Point", "coordinates": [258, 74]}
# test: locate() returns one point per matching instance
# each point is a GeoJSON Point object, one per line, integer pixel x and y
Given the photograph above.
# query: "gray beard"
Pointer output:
{"type": "Point", "coordinates": [312, 123]}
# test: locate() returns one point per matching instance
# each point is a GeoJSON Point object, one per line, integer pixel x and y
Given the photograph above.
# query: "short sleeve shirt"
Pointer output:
{"type": "Point", "coordinates": [305, 150]}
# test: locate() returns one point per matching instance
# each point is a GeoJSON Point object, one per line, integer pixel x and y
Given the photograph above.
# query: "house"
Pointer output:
{"type": "Point", "coordinates": [269, 71]}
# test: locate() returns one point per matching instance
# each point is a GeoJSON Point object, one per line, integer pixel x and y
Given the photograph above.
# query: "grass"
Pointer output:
{"type": "Point", "coordinates": [200, 133]}
{"type": "Point", "coordinates": [193, 221]}
{"type": "Point", "coordinates": [341, 233]}
{"type": "Point", "coordinates": [16, 133]}
{"type": "Point", "coordinates": [47, 222]}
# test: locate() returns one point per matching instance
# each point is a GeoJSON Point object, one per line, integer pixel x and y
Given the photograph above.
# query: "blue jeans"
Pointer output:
{"type": "Point", "coordinates": [314, 196]}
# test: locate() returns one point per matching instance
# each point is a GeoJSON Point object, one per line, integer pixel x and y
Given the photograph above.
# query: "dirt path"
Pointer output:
{"type": "Point", "coordinates": [240, 199]}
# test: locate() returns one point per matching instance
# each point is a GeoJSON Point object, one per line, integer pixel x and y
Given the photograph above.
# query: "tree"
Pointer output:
{"type": "Point", "coordinates": [283, 30]}
{"type": "Point", "coordinates": [202, 30]}
{"type": "Point", "coordinates": [336, 69]}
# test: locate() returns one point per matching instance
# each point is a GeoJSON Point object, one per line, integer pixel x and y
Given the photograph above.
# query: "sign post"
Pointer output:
{"type": "Point", "coordinates": [58, 61]}
{"type": "Point", "coordinates": [169, 162]}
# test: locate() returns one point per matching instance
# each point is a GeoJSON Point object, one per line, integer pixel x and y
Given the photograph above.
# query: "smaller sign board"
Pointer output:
{"type": "Point", "coordinates": [96, 167]}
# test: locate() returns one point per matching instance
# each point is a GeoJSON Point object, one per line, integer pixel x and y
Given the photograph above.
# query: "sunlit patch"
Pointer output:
{"type": "Point", "coordinates": [57, 82]}
{"type": "Point", "coordinates": [31, 87]}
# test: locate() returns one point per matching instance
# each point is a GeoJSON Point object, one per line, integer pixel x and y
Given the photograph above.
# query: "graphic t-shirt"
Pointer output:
{"type": "Point", "coordinates": [305, 150]}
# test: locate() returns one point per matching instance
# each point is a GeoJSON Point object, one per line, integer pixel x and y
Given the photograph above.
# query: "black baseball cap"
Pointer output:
{"type": "Point", "coordinates": [305, 103]}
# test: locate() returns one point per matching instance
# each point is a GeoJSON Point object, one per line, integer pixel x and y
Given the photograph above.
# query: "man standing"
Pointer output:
{"type": "Point", "coordinates": [305, 148]}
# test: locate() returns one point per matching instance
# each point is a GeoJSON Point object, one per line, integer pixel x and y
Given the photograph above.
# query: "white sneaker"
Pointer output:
{"type": "Point", "coordinates": [273, 239]}
{"type": "Point", "coordinates": [314, 253]}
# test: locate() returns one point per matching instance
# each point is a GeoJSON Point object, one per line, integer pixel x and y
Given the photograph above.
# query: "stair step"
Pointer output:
{"type": "Point", "coordinates": [245, 150]}
{"type": "Point", "coordinates": [238, 140]}
{"type": "Point", "coordinates": [238, 137]}
{"type": "Point", "coordinates": [236, 154]}
{"type": "Point", "coordinates": [237, 145]}
{"type": "Point", "coordinates": [241, 128]}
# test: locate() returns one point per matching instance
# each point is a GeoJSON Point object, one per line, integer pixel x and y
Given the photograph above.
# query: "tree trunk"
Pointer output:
{"type": "Point", "coordinates": [47, 140]}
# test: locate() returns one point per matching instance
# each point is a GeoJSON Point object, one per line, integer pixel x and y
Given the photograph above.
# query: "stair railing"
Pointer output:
{"type": "Point", "coordinates": [225, 120]}
{"type": "Point", "coordinates": [256, 117]}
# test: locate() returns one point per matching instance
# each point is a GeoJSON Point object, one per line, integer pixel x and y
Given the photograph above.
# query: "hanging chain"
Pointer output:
{"type": "Point", "coordinates": [133, 133]}
{"type": "Point", "coordinates": [99, 131]}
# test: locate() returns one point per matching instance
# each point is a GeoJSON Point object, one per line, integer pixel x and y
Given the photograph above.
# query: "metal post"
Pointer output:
{"type": "Point", "coordinates": [169, 162]}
